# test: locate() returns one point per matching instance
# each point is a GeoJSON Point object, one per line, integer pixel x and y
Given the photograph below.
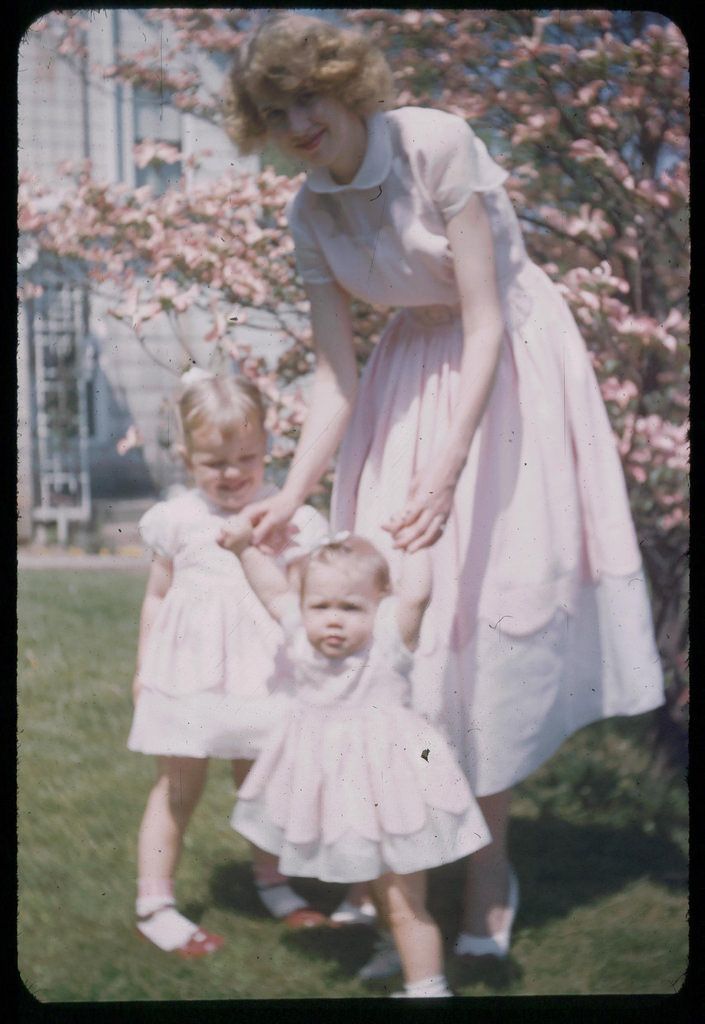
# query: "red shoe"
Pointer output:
{"type": "Point", "coordinates": [305, 918]}
{"type": "Point", "coordinates": [201, 943]}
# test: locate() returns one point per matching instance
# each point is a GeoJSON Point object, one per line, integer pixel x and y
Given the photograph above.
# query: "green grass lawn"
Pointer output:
{"type": "Point", "coordinates": [599, 842]}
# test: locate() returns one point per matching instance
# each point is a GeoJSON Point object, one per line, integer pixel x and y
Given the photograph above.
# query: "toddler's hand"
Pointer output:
{"type": "Point", "coordinates": [236, 534]}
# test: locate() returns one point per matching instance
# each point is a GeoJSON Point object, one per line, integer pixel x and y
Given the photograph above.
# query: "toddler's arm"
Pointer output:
{"type": "Point", "coordinates": [263, 574]}
{"type": "Point", "coordinates": [413, 594]}
{"type": "Point", "coordinates": [158, 583]}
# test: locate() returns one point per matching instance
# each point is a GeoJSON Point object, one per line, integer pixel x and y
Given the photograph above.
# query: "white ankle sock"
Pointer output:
{"type": "Point", "coordinates": [280, 900]}
{"type": "Point", "coordinates": [167, 928]}
{"type": "Point", "coordinates": [428, 988]}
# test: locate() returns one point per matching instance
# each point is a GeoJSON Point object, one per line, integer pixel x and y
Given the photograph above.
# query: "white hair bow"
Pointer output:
{"type": "Point", "coordinates": [336, 538]}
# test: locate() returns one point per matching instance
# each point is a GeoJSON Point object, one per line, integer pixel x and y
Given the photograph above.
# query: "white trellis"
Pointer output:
{"type": "Point", "coordinates": [61, 366]}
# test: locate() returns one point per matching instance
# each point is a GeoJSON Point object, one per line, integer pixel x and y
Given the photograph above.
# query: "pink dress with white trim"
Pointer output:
{"type": "Point", "coordinates": [214, 674]}
{"type": "Point", "coordinates": [352, 783]}
{"type": "Point", "coordinates": [540, 619]}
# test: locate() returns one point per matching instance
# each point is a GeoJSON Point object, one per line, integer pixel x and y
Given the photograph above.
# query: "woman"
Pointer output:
{"type": "Point", "coordinates": [477, 428]}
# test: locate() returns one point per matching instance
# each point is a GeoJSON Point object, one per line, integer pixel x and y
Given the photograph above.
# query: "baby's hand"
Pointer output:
{"type": "Point", "coordinates": [236, 534]}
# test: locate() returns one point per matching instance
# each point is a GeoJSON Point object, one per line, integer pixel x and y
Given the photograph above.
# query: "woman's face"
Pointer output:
{"type": "Point", "coordinates": [318, 130]}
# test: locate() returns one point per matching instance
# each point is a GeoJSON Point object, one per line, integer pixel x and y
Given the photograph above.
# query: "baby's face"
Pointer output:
{"type": "Point", "coordinates": [338, 609]}
{"type": "Point", "coordinates": [228, 468]}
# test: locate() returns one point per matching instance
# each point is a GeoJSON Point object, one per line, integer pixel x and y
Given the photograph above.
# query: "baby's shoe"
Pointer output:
{"type": "Point", "coordinates": [384, 962]}
{"type": "Point", "coordinates": [496, 945]}
{"type": "Point", "coordinates": [349, 913]}
{"type": "Point", "coordinates": [171, 932]}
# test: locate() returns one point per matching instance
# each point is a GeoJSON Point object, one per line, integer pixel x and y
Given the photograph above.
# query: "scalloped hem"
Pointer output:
{"type": "Point", "coordinates": [445, 838]}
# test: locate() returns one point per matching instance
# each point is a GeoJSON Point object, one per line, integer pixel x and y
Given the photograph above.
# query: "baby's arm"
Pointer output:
{"type": "Point", "coordinates": [263, 574]}
{"type": "Point", "coordinates": [158, 583]}
{"type": "Point", "coordinates": [413, 593]}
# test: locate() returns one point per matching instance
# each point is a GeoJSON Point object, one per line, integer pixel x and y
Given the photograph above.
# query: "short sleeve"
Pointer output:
{"type": "Point", "coordinates": [459, 165]}
{"type": "Point", "coordinates": [310, 529]}
{"type": "Point", "coordinates": [310, 262]}
{"type": "Point", "coordinates": [159, 531]}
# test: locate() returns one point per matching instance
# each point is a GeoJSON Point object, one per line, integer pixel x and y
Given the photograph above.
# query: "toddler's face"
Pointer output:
{"type": "Point", "coordinates": [338, 609]}
{"type": "Point", "coordinates": [228, 468]}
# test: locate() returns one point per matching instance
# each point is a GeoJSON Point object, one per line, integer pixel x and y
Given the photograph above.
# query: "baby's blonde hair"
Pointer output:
{"type": "Point", "coordinates": [224, 403]}
{"type": "Point", "coordinates": [290, 52]}
{"type": "Point", "coordinates": [354, 554]}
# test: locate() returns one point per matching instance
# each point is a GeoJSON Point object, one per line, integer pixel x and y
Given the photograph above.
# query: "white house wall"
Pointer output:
{"type": "Point", "coordinates": [129, 386]}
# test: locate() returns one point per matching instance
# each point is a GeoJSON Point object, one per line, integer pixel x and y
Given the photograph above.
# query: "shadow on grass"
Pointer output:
{"type": "Point", "coordinates": [561, 867]}
{"type": "Point", "coordinates": [232, 888]}
{"type": "Point", "coordinates": [564, 866]}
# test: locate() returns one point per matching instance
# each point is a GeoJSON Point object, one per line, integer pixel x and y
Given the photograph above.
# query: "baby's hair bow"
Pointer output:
{"type": "Point", "coordinates": [196, 373]}
{"type": "Point", "coordinates": [337, 538]}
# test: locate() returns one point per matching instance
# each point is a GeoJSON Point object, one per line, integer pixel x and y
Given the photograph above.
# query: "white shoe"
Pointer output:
{"type": "Point", "coordinates": [349, 913]}
{"type": "Point", "coordinates": [492, 945]}
{"type": "Point", "coordinates": [384, 962]}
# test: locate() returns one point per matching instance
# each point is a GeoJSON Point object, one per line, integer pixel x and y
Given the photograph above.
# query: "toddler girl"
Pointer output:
{"type": "Point", "coordinates": [210, 673]}
{"type": "Point", "coordinates": [352, 785]}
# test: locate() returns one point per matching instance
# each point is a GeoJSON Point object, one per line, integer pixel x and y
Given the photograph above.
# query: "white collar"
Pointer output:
{"type": "Point", "coordinates": [375, 165]}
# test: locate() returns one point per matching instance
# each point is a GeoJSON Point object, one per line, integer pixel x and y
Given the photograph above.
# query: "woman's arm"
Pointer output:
{"type": "Point", "coordinates": [413, 592]}
{"type": "Point", "coordinates": [330, 403]}
{"type": "Point", "coordinates": [431, 494]}
{"type": "Point", "coordinates": [263, 574]}
{"type": "Point", "coordinates": [158, 583]}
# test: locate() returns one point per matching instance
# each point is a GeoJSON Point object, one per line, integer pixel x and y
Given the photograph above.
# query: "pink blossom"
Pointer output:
{"type": "Point", "coordinates": [132, 439]}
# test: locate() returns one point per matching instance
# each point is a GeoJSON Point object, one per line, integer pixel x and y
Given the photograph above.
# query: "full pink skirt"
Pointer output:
{"type": "Point", "coordinates": [540, 619]}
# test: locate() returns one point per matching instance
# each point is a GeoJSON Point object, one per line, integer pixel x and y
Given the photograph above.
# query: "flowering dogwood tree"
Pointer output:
{"type": "Point", "coordinates": [589, 112]}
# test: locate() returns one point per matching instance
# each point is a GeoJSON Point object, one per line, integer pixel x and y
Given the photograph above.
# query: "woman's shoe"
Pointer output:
{"type": "Point", "coordinates": [384, 962]}
{"type": "Point", "coordinates": [350, 913]}
{"type": "Point", "coordinates": [496, 945]}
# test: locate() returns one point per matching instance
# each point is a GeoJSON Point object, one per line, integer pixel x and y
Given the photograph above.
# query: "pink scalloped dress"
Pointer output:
{"type": "Point", "coordinates": [540, 619]}
{"type": "Point", "coordinates": [352, 783]}
{"type": "Point", "coordinates": [214, 673]}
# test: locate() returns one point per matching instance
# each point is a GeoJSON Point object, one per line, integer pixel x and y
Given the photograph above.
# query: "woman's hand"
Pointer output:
{"type": "Point", "coordinates": [236, 534]}
{"type": "Point", "coordinates": [269, 520]}
{"type": "Point", "coordinates": [424, 516]}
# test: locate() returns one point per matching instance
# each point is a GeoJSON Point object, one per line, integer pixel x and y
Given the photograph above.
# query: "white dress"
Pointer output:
{"type": "Point", "coordinates": [213, 670]}
{"type": "Point", "coordinates": [540, 619]}
{"type": "Point", "coordinates": [352, 783]}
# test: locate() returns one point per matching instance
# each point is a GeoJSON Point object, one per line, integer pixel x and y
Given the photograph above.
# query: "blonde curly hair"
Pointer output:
{"type": "Point", "coordinates": [226, 404]}
{"type": "Point", "coordinates": [289, 53]}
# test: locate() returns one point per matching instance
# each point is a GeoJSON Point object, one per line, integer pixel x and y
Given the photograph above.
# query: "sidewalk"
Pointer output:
{"type": "Point", "coordinates": [134, 559]}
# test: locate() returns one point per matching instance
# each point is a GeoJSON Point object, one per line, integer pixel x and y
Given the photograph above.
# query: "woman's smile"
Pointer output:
{"type": "Point", "coordinates": [311, 143]}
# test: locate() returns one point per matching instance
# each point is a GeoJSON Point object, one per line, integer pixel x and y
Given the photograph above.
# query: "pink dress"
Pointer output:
{"type": "Point", "coordinates": [214, 672]}
{"type": "Point", "coordinates": [352, 783]}
{"type": "Point", "coordinates": [540, 620]}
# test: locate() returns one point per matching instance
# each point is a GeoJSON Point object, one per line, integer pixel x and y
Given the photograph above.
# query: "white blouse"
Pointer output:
{"type": "Point", "coordinates": [382, 236]}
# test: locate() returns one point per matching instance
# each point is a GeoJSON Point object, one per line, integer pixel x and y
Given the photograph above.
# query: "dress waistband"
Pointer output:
{"type": "Point", "coordinates": [431, 316]}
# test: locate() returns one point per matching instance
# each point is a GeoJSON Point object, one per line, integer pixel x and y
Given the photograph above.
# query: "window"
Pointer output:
{"type": "Point", "coordinates": [156, 120]}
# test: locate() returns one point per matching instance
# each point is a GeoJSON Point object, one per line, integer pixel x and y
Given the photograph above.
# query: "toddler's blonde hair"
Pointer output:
{"type": "Point", "coordinates": [292, 52]}
{"type": "Point", "coordinates": [224, 403]}
{"type": "Point", "coordinates": [355, 554]}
